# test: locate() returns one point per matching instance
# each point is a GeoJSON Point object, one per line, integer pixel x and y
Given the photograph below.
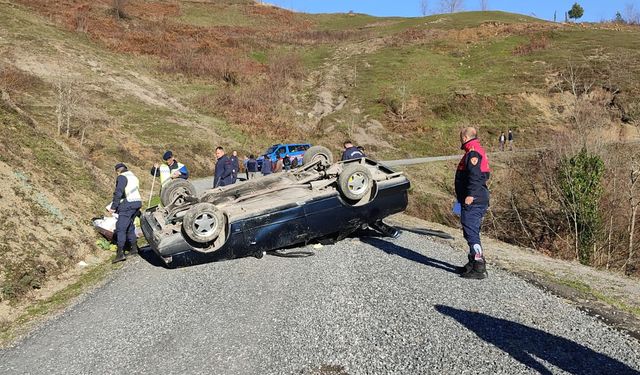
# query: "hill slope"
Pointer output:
{"type": "Point", "coordinates": [190, 75]}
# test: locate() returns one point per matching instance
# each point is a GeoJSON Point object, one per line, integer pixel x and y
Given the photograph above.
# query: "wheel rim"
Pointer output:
{"type": "Point", "coordinates": [205, 224]}
{"type": "Point", "coordinates": [319, 157]}
{"type": "Point", "coordinates": [357, 183]}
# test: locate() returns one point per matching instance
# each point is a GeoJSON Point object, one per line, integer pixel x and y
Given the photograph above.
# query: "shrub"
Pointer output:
{"type": "Point", "coordinates": [580, 181]}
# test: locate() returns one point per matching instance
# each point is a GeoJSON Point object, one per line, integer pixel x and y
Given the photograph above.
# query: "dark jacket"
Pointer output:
{"type": "Point", "coordinates": [267, 166]}
{"type": "Point", "coordinates": [352, 153]}
{"type": "Point", "coordinates": [223, 174]}
{"type": "Point", "coordinates": [235, 164]}
{"type": "Point", "coordinates": [252, 165]}
{"type": "Point", "coordinates": [472, 174]}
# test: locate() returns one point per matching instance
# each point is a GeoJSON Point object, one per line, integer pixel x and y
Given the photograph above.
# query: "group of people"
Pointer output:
{"type": "Point", "coordinates": [228, 167]}
{"type": "Point", "coordinates": [471, 178]}
{"type": "Point", "coordinates": [504, 138]}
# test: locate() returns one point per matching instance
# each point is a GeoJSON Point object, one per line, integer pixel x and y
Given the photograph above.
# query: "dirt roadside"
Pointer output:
{"type": "Point", "coordinates": [611, 297]}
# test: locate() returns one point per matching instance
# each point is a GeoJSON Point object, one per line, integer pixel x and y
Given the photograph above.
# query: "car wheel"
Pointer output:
{"type": "Point", "coordinates": [203, 222]}
{"type": "Point", "coordinates": [316, 153]}
{"type": "Point", "coordinates": [176, 189]}
{"type": "Point", "coordinates": [355, 181]}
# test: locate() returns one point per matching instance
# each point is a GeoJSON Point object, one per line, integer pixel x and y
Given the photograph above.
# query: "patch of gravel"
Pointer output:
{"type": "Point", "coordinates": [362, 306]}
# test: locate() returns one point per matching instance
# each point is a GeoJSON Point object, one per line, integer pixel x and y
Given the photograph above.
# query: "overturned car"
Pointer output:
{"type": "Point", "coordinates": [319, 200]}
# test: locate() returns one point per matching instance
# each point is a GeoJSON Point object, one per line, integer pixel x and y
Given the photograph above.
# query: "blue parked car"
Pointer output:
{"type": "Point", "coordinates": [294, 150]}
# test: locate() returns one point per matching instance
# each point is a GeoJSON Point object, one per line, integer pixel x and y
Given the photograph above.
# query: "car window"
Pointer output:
{"type": "Point", "coordinates": [281, 150]}
{"type": "Point", "coordinates": [271, 149]}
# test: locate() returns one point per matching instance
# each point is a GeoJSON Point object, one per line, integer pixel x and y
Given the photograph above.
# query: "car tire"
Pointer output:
{"type": "Point", "coordinates": [317, 153]}
{"type": "Point", "coordinates": [203, 222]}
{"type": "Point", "coordinates": [355, 181]}
{"type": "Point", "coordinates": [174, 189]}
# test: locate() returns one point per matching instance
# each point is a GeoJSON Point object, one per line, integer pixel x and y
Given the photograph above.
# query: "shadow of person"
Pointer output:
{"type": "Point", "coordinates": [391, 248]}
{"type": "Point", "coordinates": [525, 344]}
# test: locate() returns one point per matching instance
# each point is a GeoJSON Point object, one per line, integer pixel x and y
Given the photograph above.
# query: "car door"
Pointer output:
{"type": "Point", "coordinates": [280, 227]}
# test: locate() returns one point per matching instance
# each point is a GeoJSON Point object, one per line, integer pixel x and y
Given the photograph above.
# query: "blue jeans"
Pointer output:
{"type": "Point", "coordinates": [471, 220]}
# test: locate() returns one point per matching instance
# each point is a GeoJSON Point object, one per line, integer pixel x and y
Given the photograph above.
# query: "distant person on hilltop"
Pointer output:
{"type": "Point", "coordinates": [502, 141]}
{"type": "Point", "coordinates": [351, 151]}
{"type": "Point", "coordinates": [473, 195]}
{"type": "Point", "coordinates": [510, 137]}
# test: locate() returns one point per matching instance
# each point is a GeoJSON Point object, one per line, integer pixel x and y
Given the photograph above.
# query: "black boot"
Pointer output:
{"type": "Point", "coordinates": [478, 270]}
{"type": "Point", "coordinates": [134, 249]}
{"type": "Point", "coordinates": [119, 256]}
{"type": "Point", "coordinates": [467, 267]}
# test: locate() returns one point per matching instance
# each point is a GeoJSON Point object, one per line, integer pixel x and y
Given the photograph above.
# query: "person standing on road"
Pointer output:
{"type": "Point", "coordinates": [472, 193]}
{"type": "Point", "coordinates": [235, 166]}
{"type": "Point", "coordinates": [502, 141]}
{"type": "Point", "coordinates": [223, 174]}
{"type": "Point", "coordinates": [351, 151]}
{"type": "Point", "coordinates": [267, 166]}
{"type": "Point", "coordinates": [251, 167]}
{"type": "Point", "coordinates": [126, 203]}
{"type": "Point", "coordinates": [510, 140]}
{"type": "Point", "coordinates": [279, 165]}
{"type": "Point", "coordinates": [169, 171]}
{"type": "Point", "coordinates": [286, 162]}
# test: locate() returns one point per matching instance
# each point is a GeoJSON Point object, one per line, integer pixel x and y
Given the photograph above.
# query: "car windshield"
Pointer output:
{"type": "Point", "coordinates": [271, 149]}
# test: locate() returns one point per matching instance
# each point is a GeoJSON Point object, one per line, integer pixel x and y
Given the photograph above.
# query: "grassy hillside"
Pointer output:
{"type": "Point", "coordinates": [189, 76]}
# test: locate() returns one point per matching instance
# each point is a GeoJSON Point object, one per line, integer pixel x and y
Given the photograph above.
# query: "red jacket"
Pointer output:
{"type": "Point", "coordinates": [472, 174]}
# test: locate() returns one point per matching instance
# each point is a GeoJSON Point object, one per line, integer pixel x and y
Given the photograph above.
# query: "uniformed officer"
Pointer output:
{"type": "Point", "coordinates": [126, 203]}
{"type": "Point", "coordinates": [472, 193]}
{"type": "Point", "coordinates": [223, 175]}
{"type": "Point", "coordinates": [352, 152]}
{"type": "Point", "coordinates": [169, 171]}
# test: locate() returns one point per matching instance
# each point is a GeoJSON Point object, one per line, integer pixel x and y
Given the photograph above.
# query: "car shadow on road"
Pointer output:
{"type": "Point", "coordinates": [526, 345]}
{"type": "Point", "coordinates": [391, 248]}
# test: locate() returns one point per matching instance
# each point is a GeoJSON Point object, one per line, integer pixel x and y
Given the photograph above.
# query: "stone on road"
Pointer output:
{"type": "Point", "coordinates": [362, 306]}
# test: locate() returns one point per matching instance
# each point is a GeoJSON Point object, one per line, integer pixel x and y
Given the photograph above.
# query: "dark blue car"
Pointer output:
{"type": "Point", "coordinates": [317, 201]}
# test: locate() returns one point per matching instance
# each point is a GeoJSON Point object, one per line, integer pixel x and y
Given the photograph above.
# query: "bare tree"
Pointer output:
{"type": "Point", "coordinates": [634, 204]}
{"type": "Point", "coordinates": [66, 106]}
{"type": "Point", "coordinates": [452, 6]}
{"type": "Point", "coordinates": [424, 7]}
{"type": "Point", "coordinates": [118, 8]}
{"type": "Point", "coordinates": [631, 14]}
{"type": "Point", "coordinates": [484, 5]}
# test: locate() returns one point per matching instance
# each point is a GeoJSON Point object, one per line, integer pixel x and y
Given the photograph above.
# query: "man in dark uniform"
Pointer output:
{"type": "Point", "coordinates": [352, 152]}
{"type": "Point", "coordinates": [224, 171]}
{"type": "Point", "coordinates": [126, 203]}
{"type": "Point", "coordinates": [235, 166]}
{"type": "Point", "coordinates": [472, 193]}
{"type": "Point", "coordinates": [251, 165]}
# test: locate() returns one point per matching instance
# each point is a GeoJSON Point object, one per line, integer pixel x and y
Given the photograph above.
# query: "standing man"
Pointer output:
{"type": "Point", "coordinates": [126, 203]}
{"type": "Point", "coordinates": [351, 151]}
{"type": "Point", "coordinates": [279, 165]}
{"type": "Point", "coordinates": [252, 167]}
{"type": "Point", "coordinates": [502, 141]}
{"type": "Point", "coordinates": [235, 166]}
{"type": "Point", "coordinates": [286, 163]}
{"type": "Point", "coordinates": [267, 166]}
{"type": "Point", "coordinates": [510, 140]}
{"type": "Point", "coordinates": [169, 171]}
{"type": "Point", "coordinates": [223, 175]}
{"type": "Point", "coordinates": [472, 193]}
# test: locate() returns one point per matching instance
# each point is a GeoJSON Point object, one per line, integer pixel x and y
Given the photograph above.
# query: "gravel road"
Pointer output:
{"type": "Point", "coordinates": [362, 306]}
